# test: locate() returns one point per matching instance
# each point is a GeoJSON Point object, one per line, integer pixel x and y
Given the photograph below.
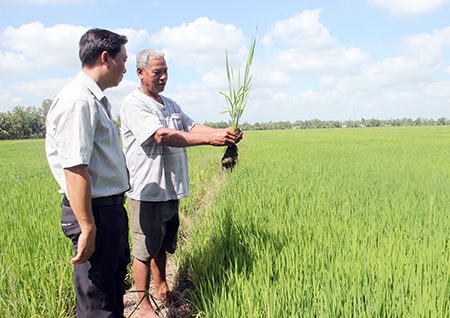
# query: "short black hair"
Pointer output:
{"type": "Point", "coordinates": [95, 41]}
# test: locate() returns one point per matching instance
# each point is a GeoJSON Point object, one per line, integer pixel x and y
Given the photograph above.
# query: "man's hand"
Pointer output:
{"type": "Point", "coordinates": [222, 137]}
{"type": "Point", "coordinates": [85, 247]}
{"type": "Point", "coordinates": [239, 135]}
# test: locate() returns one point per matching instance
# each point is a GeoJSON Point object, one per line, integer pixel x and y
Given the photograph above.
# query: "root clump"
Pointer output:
{"type": "Point", "coordinates": [230, 157]}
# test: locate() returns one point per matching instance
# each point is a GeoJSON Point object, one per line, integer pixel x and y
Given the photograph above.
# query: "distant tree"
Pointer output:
{"type": "Point", "coordinates": [418, 122]}
{"type": "Point", "coordinates": [441, 121]}
{"type": "Point", "coordinates": [22, 123]}
{"type": "Point", "coordinates": [46, 103]}
{"type": "Point", "coordinates": [220, 124]}
{"type": "Point", "coordinates": [373, 122]}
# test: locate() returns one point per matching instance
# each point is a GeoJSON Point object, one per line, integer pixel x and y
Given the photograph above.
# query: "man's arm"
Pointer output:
{"type": "Point", "coordinates": [198, 135]}
{"type": "Point", "coordinates": [79, 192]}
{"type": "Point", "coordinates": [202, 129]}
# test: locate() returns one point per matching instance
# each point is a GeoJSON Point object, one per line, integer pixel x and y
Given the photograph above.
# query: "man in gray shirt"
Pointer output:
{"type": "Point", "coordinates": [85, 156]}
{"type": "Point", "coordinates": [155, 133]}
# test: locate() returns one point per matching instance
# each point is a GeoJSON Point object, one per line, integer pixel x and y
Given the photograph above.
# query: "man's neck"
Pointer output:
{"type": "Point", "coordinates": [152, 95]}
{"type": "Point", "coordinates": [94, 74]}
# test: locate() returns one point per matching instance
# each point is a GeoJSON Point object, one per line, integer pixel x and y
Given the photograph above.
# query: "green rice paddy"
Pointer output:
{"type": "Point", "coordinates": [311, 223]}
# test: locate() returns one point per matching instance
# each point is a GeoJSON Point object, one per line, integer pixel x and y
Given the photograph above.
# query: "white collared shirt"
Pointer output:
{"type": "Point", "coordinates": [80, 131]}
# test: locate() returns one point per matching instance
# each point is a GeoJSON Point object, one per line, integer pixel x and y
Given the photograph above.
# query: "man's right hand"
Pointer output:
{"type": "Point", "coordinates": [223, 137]}
{"type": "Point", "coordinates": [85, 247]}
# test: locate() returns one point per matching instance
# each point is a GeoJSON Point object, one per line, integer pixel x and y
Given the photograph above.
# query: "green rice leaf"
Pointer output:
{"type": "Point", "coordinates": [238, 88]}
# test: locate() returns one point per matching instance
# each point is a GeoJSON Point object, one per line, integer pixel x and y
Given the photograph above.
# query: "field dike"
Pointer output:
{"type": "Point", "coordinates": [191, 209]}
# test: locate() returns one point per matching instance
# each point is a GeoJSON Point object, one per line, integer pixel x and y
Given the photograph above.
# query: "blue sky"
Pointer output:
{"type": "Point", "coordinates": [330, 60]}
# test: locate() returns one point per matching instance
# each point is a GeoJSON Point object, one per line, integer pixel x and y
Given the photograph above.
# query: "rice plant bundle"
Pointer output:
{"type": "Point", "coordinates": [237, 97]}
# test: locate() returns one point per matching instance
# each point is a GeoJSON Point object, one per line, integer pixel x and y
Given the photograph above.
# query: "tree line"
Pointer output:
{"type": "Point", "coordinates": [320, 124]}
{"type": "Point", "coordinates": [24, 122]}
{"type": "Point", "coordinates": [29, 122]}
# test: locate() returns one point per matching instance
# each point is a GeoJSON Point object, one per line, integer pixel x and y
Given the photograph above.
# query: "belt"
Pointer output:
{"type": "Point", "coordinates": [112, 200]}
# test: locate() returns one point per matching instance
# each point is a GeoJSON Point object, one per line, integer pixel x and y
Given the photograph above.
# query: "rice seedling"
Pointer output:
{"type": "Point", "coordinates": [237, 97]}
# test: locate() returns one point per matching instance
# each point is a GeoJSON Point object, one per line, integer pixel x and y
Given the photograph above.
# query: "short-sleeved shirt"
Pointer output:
{"type": "Point", "coordinates": [80, 131]}
{"type": "Point", "coordinates": [157, 172]}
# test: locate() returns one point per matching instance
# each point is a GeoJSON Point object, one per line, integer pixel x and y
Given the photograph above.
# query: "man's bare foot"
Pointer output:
{"type": "Point", "coordinates": [166, 295]}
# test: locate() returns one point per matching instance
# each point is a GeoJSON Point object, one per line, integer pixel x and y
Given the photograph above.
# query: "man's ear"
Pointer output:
{"type": "Point", "coordinates": [104, 57]}
{"type": "Point", "coordinates": [139, 72]}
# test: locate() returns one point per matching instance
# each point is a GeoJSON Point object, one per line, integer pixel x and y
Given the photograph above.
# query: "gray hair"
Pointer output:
{"type": "Point", "coordinates": [145, 55]}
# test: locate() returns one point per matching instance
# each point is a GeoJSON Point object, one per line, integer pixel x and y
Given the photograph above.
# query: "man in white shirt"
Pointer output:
{"type": "Point", "coordinates": [155, 133]}
{"type": "Point", "coordinates": [84, 153]}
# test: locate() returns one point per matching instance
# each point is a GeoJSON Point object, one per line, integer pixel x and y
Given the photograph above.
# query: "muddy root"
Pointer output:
{"type": "Point", "coordinates": [230, 157]}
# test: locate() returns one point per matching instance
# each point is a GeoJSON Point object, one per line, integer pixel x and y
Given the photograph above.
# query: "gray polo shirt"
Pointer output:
{"type": "Point", "coordinates": [157, 173]}
{"type": "Point", "coordinates": [80, 131]}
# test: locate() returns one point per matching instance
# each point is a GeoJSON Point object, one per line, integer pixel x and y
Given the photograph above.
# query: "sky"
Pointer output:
{"type": "Point", "coordinates": [314, 59]}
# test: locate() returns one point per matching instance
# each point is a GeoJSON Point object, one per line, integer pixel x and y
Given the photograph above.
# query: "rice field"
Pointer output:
{"type": "Point", "coordinates": [329, 223]}
{"type": "Point", "coordinates": [311, 223]}
{"type": "Point", "coordinates": [35, 275]}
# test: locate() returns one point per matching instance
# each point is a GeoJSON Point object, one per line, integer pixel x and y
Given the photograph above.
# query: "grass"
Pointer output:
{"type": "Point", "coordinates": [35, 276]}
{"type": "Point", "coordinates": [329, 223]}
{"type": "Point", "coordinates": [311, 223]}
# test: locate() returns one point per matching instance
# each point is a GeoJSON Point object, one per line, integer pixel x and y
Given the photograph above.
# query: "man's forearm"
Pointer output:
{"type": "Point", "coordinates": [79, 192]}
{"type": "Point", "coordinates": [195, 137]}
{"type": "Point", "coordinates": [177, 138]}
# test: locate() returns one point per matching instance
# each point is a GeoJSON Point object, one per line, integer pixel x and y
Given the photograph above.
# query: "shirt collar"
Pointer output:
{"type": "Point", "coordinates": [91, 85]}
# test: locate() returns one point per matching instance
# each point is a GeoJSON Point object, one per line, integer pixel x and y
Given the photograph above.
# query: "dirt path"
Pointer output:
{"type": "Point", "coordinates": [179, 310]}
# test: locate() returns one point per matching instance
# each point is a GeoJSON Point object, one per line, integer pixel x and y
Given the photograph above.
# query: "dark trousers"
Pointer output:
{"type": "Point", "coordinates": [100, 282]}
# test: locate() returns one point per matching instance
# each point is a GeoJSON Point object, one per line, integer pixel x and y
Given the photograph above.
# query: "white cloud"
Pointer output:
{"type": "Point", "coordinates": [428, 48]}
{"type": "Point", "coordinates": [13, 64]}
{"type": "Point", "coordinates": [309, 46]}
{"type": "Point", "coordinates": [7, 100]}
{"type": "Point", "coordinates": [201, 43]}
{"type": "Point", "coordinates": [395, 87]}
{"type": "Point", "coordinates": [268, 75]}
{"type": "Point", "coordinates": [34, 47]}
{"type": "Point", "coordinates": [327, 81]}
{"type": "Point", "coordinates": [45, 88]}
{"type": "Point", "coordinates": [304, 30]}
{"type": "Point", "coordinates": [198, 101]}
{"type": "Point", "coordinates": [216, 78]}
{"type": "Point", "coordinates": [30, 93]}
{"type": "Point", "coordinates": [408, 7]}
{"type": "Point", "coordinates": [298, 60]}
{"type": "Point", "coordinates": [391, 72]}
{"type": "Point", "coordinates": [43, 47]}
{"type": "Point", "coordinates": [375, 87]}
{"type": "Point", "coordinates": [135, 38]}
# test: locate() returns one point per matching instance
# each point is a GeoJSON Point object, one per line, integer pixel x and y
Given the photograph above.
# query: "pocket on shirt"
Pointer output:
{"type": "Point", "coordinates": [175, 121]}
